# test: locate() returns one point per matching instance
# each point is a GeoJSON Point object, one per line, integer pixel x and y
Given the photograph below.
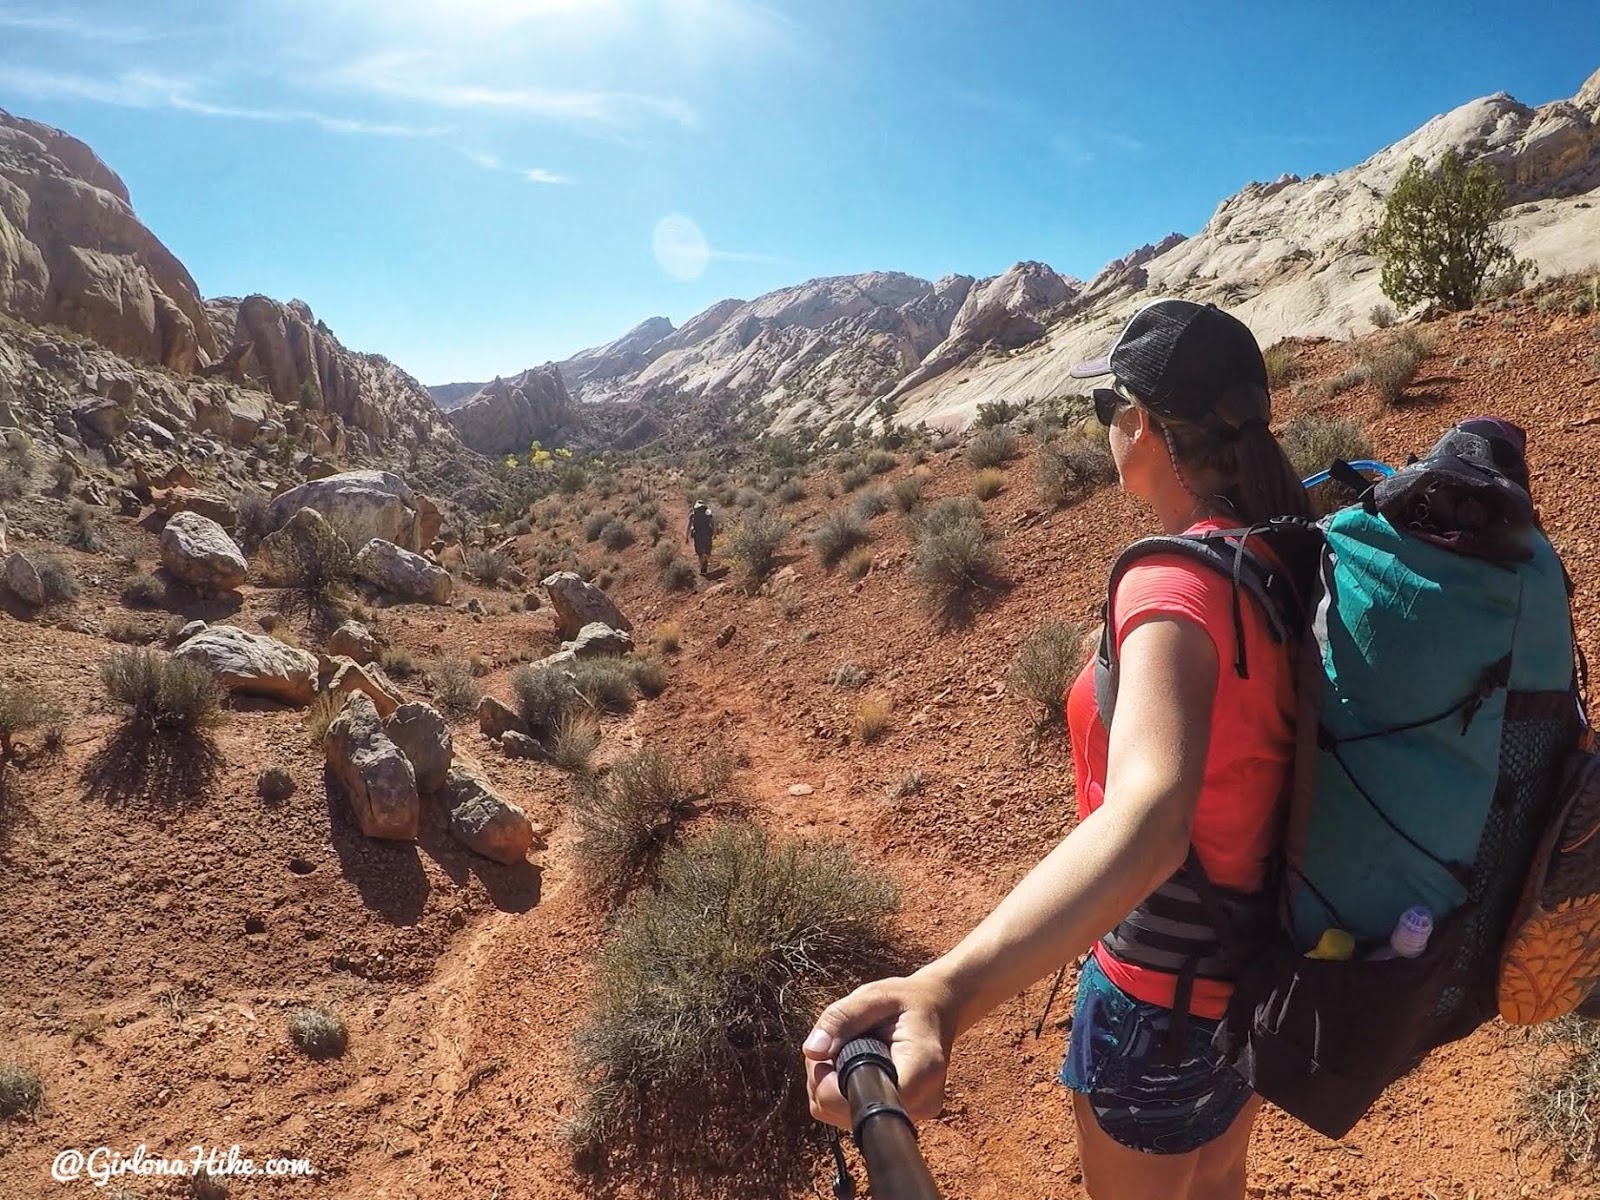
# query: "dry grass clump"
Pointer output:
{"type": "Point", "coordinates": [24, 708]}
{"type": "Point", "coordinates": [1392, 362]}
{"type": "Point", "coordinates": [317, 1031]}
{"type": "Point", "coordinates": [607, 685]}
{"type": "Point", "coordinates": [161, 696]}
{"type": "Point", "coordinates": [858, 563]}
{"type": "Point", "coordinates": [455, 689]}
{"type": "Point", "coordinates": [56, 577]}
{"type": "Point", "coordinates": [1560, 1098]}
{"type": "Point", "coordinates": [649, 674]}
{"type": "Point", "coordinates": [1044, 665]}
{"type": "Point", "coordinates": [754, 542]}
{"type": "Point", "coordinates": [709, 983]}
{"type": "Point", "coordinates": [576, 738]}
{"type": "Point", "coordinates": [1283, 364]}
{"type": "Point", "coordinates": [144, 590]}
{"type": "Point", "coordinates": [1070, 468]}
{"type": "Point", "coordinates": [627, 817]}
{"type": "Point", "coordinates": [398, 663]}
{"type": "Point", "coordinates": [986, 485]}
{"type": "Point", "coordinates": [909, 784]}
{"type": "Point", "coordinates": [488, 567]}
{"type": "Point", "coordinates": [953, 554]}
{"type": "Point", "coordinates": [872, 719]}
{"type": "Point", "coordinates": [323, 712]}
{"type": "Point", "coordinates": [1383, 315]}
{"type": "Point", "coordinates": [871, 503]}
{"type": "Point", "coordinates": [1313, 443]}
{"type": "Point", "coordinates": [83, 530]}
{"type": "Point", "coordinates": [837, 534]}
{"type": "Point", "coordinates": [544, 698]}
{"type": "Point", "coordinates": [668, 637]}
{"type": "Point", "coordinates": [992, 447]}
{"type": "Point", "coordinates": [21, 1089]}
{"type": "Point", "coordinates": [907, 492]}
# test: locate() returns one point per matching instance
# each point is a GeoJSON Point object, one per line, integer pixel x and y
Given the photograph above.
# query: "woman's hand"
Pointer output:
{"type": "Point", "coordinates": [913, 1016]}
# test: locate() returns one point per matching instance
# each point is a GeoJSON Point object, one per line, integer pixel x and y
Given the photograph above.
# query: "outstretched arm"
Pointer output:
{"type": "Point", "coordinates": [1098, 874]}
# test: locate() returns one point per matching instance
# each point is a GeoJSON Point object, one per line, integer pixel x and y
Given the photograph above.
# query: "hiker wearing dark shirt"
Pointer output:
{"type": "Point", "coordinates": [700, 530]}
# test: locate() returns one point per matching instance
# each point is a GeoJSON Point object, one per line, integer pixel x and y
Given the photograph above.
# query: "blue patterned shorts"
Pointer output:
{"type": "Point", "coordinates": [1117, 1057]}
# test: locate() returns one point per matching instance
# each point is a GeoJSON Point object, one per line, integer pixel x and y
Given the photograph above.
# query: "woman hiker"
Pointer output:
{"type": "Point", "coordinates": [700, 530]}
{"type": "Point", "coordinates": [1196, 755]}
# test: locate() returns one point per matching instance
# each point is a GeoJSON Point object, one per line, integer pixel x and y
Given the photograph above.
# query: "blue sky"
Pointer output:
{"type": "Point", "coordinates": [475, 186]}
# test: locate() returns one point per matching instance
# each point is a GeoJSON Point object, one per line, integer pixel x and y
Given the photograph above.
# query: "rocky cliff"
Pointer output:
{"type": "Point", "coordinates": [73, 254]}
{"type": "Point", "coordinates": [506, 415]}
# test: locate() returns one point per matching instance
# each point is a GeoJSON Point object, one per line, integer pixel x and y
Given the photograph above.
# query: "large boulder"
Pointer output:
{"type": "Point", "coordinates": [199, 552]}
{"type": "Point", "coordinates": [596, 640]}
{"type": "Point", "coordinates": [402, 573]}
{"type": "Point", "coordinates": [101, 418]}
{"type": "Point", "coordinates": [250, 664]}
{"type": "Point", "coordinates": [496, 718]}
{"type": "Point", "coordinates": [424, 737]}
{"type": "Point", "coordinates": [279, 552]}
{"type": "Point", "coordinates": [341, 676]}
{"type": "Point", "coordinates": [22, 579]}
{"type": "Point", "coordinates": [375, 774]}
{"type": "Point", "coordinates": [482, 821]}
{"type": "Point", "coordinates": [169, 502]}
{"type": "Point", "coordinates": [578, 603]}
{"type": "Point", "coordinates": [360, 504]}
{"type": "Point", "coordinates": [354, 641]}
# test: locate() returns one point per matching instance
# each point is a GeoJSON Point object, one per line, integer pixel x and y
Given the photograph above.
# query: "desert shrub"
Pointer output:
{"type": "Point", "coordinates": [871, 503]}
{"type": "Point", "coordinates": [668, 637]}
{"type": "Point", "coordinates": [880, 462]}
{"type": "Point", "coordinates": [318, 569]}
{"type": "Point", "coordinates": [1313, 443]}
{"type": "Point", "coordinates": [790, 491]}
{"type": "Point", "coordinates": [161, 696]}
{"type": "Point", "coordinates": [21, 1089]}
{"type": "Point", "coordinates": [22, 708]}
{"type": "Point", "coordinates": [986, 485]}
{"type": "Point", "coordinates": [488, 567]}
{"type": "Point", "coordinates": [847, 674]}
{"type": "Point", "coordinates": [317, 1031]}
{"type": "Point", "coordinates": [853, 477]}
{"type": "Point", "coordinates": [127, 631]}
{"type": "Point", "coordinates": [398, 663]}
{"type": "Point", "coordinates": [1383, 315]}
{"type": "Point", "coordinates": [521, 527]}
{"type": "Point", "coordinates": [572, 745]}
{"type": "Point", "coordinates": [1283, 364]}
{"type": "Point", "coordinates": [872, 719]}
{"type": "Point", "coordinates": [545, 697]}
{"type": "Point", "coordinates": [616, 536]}
{"type": "Point", "coordinates": [907, 492]}
{"type": "Point", "coordinates": [991, 413]}
{"type": "Point", "coordinates": [1392, 362]}
{"type": "Point", "coordinates": [593, 525]}
{"type": "Point", "coordinates": [17, 465]}
{"type": "Point", "coordinates": [1044, 665]}
{"type": "Point", "coordinates": [953, 554]}
{"type": "Point", "coordinates": [250, 518]}
{"type": "Point", "coordinates": [649, 675]}
{"type": "Point", "coordinates": [837, 534]}
{"type": "Point", "coordinates": [1560, 1094]}
{"type": "Point", "coordinates": [710, 982]}
{"type": "Point", "coordinates": [858, 563]}
{"type": "Point", "coordinates": [83, 530]}
{"type": "Point", "coordinates": [1070, 468]}
{"type": "Point", "coordinates": [605, 684]}
{"type": "Point", "coordinates": [992, 447]}
{"type": "Point", "coordinates": [454, 688]}
{"type": "Point", "coordinates": [1440, 237]}
{"type": "Point", "coordinates": [664, 554]}
{"type": "Point", "coordinates": [678, 575]}
{"type": "Point", "coordinates": [627, 817]}
{"type": "Point", "coordinates": [56, 577]}
{"type": "Point", "coordinates": [144, 590]}
{"type": "Point", "coordinates": [753, 544]}
{"type": "Point", "coordinates": [909, 784]}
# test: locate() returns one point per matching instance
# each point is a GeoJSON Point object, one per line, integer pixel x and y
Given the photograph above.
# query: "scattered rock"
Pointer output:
{"type": "Point", "coordinates": [171, 501]}
{"type": "Point", "coordinates": [474, 606]}
{"type": "Point", "coordinates": [725, 635]}
{"type": "Point", "coordinates": [341, 676]}
{"type": "Point", "coordinates": [595, 640]}
{"type": "Point", "coordinates": [578, 603]}
{"type": "Point", "coordinates": [251, 664]}
{"type": "Point", "coordinates": [3, 525]}
{"type": "Point", "coordinates": [801, 789]}
{"type": "Point", "coordinates": [189, 630]}
{"type": "Point", "coordinates": [22, 579]}
{"type": "Point", "coordinates": [354, 641]}
{"type": "Point", "coordinates": [496, 718]}
{"type": "Point", "coordinates": [275, 785]}
{"type": "Point", "coordinates": [199, 552]}
{"type": "Point", "coordinates": [375, 775]}
{"type": "Point", "coordinates": [519, 745]}
{"type": "Point", "coordinates": [482, 821]}
{"type": "Point", "coordinates": [102, 418]}
{"type": "Point", "coordinates": [403, 573]}
{"type": "Point", "coordinates": [424, 738]}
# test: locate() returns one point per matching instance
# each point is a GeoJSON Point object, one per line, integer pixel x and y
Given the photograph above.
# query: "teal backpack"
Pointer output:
{"type": "Point", "coordinates": [1438, 711]}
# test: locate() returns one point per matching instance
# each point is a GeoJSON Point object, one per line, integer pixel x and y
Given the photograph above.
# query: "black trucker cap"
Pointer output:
{"type": "Point", "coordinates": [1189, 361]}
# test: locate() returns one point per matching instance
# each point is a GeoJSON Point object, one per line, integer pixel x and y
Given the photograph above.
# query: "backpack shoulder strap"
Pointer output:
{"type": "Point", "coordinates": [1280, 579]}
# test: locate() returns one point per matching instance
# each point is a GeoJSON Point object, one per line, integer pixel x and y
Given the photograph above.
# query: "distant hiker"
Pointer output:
{"type": "Point", "coordinates": [1198, 756]}
{"type": "Point", "coordinates": [701, 528]}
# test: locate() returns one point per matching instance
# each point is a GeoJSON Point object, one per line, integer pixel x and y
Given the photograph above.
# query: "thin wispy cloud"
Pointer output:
{"type": "Point", "coordinates": [537, 175]}
{"type": "Point", "coordinates": [406, 77]}
{"type": "Point", "coordinates": [493, 162]}
{"type": "Point", "coordinates": [149, 90]}
{"type": "Point", "coordinates": [73, 25]}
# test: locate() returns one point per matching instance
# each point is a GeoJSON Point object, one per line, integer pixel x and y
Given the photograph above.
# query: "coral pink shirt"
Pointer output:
{"type": "Point", "coordinates": [1251, 749]}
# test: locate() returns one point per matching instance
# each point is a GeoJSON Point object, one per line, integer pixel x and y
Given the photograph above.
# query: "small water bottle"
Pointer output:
{"type": "Point", "coordinates": [1410, 936]}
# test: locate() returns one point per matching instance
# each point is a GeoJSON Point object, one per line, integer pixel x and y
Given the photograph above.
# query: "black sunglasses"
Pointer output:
{"type": "Point", "coordinates": [1106, 403]}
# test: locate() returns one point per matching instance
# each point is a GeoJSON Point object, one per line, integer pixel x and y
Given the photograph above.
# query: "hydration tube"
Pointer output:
{"type": "Point", "coordinates": [1360, 464]}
